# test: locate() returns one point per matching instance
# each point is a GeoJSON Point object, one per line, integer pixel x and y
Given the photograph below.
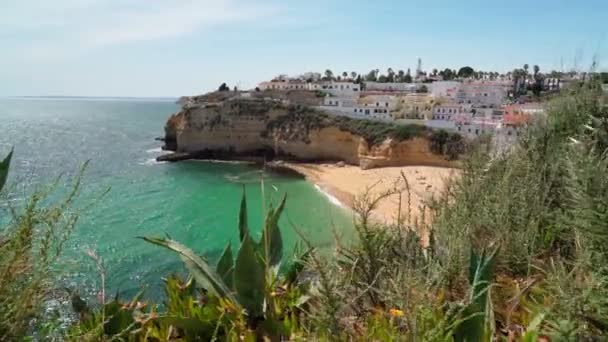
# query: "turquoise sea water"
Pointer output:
{"type": "Point", "coordinates": [194, 202]}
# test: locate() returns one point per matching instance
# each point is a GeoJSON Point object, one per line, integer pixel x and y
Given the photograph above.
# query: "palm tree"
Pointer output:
{"type": "Point", "coordinates": [344, 75]}
{"type": "Point", "coordinates": [526, 67]}
{"type": "Point", "coordinates": [536, 70]}
{"type": "Point", "coordinates": [400, 76]}
{"type": "Point", "coordinates": [434, 72]}
{"type": "Point", "coordinates": [408, 76]}
{"type": "Point", "coordinates": [329, 75]}
{"type": "Point", "coordinates": [371, 76]}
{"type": "Point", "coordinates": [391, 75]}
{"type": "Point", "coordinates": [353, 75]}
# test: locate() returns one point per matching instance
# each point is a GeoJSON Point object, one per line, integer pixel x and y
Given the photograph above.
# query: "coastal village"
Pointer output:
{"type": "Point", "coordinates": [466, 101]}
{"type": "Point", "coordinates": [458, 105]}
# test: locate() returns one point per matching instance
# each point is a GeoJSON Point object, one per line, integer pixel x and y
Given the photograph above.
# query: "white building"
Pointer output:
{"type": "Point", "coordinates": [372, 112]}
{"type": "Point", "coordinates": [482, 93]}
{"type": "Point", "coordinates": [283, 85]}
{"type": "Point", "coordinates": [369, 108]}
{"type": "Point", "coordinates": [447, 89]}
{"type": "Point", "coordinates": [339, 89]}
{"type": "Point", "coordinates": [391, 86]}
{"type": "Point", "coordinates": [448, 111]}
{"type": "Point", "coordinates": [475, 128]}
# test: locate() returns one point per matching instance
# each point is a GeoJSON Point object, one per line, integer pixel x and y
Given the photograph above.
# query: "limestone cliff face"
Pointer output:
{"type": "Point", "coordinates": [241, 127]}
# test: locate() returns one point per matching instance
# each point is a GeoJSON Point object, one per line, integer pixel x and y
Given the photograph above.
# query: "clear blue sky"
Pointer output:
{"type": "Point", "coordinates": [176, 47]}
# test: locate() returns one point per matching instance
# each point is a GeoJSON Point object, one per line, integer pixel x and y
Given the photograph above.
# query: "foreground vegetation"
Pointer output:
{"type": "Point", "coordinates": [515, 249]}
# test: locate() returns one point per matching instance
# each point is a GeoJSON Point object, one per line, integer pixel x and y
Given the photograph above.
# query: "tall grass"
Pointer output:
{"type": "Point", "coordinates": [31, 243]}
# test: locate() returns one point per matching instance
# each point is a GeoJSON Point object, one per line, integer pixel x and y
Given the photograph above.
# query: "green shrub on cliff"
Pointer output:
{"type": "Point", "coordinates": [300, 121]}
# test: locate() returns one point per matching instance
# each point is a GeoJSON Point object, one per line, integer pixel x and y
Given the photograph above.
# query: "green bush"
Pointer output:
{"type": "Point", "coordinates": [31, 243]}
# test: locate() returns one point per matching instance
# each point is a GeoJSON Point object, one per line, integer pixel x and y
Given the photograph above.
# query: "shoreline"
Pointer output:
{"type": "Point", "coordinates": [346, 184]}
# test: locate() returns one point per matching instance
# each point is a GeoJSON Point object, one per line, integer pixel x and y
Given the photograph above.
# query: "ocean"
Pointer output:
{"type": "Point", "coordinates": [193, 202]}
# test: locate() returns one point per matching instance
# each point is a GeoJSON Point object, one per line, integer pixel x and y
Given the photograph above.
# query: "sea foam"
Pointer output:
{"type": "Point", "coordinates": [330, 197]}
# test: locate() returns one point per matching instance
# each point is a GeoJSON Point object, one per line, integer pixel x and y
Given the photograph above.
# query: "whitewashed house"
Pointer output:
{"type": "Point", "coordinates": [339, 89]}
{"type": "Point", "coordinates": [446, 89]}
{"type": "Point", "coordinates": [448, 111]}
{"type": "Point", "coordinates": [369, 107]}
{"type": "Point", "coordinates": [283, 85]}
{"type": "Point", "coordinates": [391, 87]}
{"type": "Point", "coordinates": [482, 93]}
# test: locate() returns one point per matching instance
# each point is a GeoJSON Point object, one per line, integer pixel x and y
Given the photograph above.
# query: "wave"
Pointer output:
{"type": "Point", "coordinates": [220, 161]}
{"type": "Point", "coordinates": [254, 176]}
{"type": "Point", "coordinates": [151, 162]}
{"type": "Point", "coordinates": [155, 150]}
{"type": "Point", "coordinates": [330, 197]}
{"type": "Point", "coordinates": [158, 150]}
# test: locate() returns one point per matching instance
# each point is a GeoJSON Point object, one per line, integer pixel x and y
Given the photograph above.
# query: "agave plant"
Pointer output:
{"type": "Point", "coordinates": [4, 166]}
{"type": "Point", "coordinates": [247, 280]}
{"type": "Point", "coordinates": [476, 322]}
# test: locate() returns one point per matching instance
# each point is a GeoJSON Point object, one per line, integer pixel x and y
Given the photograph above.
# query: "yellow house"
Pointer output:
{"type": "Point", "coordinates": [414, 106]}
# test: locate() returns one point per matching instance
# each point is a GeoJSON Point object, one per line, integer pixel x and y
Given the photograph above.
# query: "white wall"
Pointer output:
{"type": "Point", "coordinates": [392, 86]}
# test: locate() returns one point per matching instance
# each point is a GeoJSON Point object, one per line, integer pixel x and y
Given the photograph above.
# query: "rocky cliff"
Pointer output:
{"type": "Point", "coordinates": [262, 127]}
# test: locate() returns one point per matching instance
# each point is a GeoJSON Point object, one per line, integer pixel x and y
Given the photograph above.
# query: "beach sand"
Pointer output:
{"type": "Point", "coordinates": [349, 183]}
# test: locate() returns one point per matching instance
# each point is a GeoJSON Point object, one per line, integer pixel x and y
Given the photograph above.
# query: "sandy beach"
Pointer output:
{"type": "Point", "coordinates": [349, 183]}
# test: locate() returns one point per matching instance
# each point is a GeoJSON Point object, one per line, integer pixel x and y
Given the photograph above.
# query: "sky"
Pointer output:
{"type": "Point", "coordinates": [158, 48]}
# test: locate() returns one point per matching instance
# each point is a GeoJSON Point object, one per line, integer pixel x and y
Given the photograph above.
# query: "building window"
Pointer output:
{"type": "Point", "coordinates": [459, 128]}
{"type": "Point", "coordinates": [355, 110]}
{"type": "Point", "coordinates": [386, 104]}
{"type": "Point", "coordinates": [377, 104]}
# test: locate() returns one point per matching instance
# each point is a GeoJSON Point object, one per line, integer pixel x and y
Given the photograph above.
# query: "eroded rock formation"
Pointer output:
{"type": "Point", "coordinates": [262, 127]}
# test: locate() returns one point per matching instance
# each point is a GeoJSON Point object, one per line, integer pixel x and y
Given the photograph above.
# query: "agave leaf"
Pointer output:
{"type": "Point", "coordinates": [198, 267]}
{"type": "Point", "coordinates": [249, 278]}
{"type": "Point", "coordinates": [297, 266]}
{"type": "Point", "coordinates": [4, 166]}
{"type": "Point", "coordinates": [481, 268]}
{"type": "Point", "coordinates": [272, 231]}
{"type": "Point", "coordinates": [225, 266]}
{"type": "Point", "coordinates": [243, 228]}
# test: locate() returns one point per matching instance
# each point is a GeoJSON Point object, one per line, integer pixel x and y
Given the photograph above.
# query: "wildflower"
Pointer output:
{"type": "Point", "coordinates": [396, 313]}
